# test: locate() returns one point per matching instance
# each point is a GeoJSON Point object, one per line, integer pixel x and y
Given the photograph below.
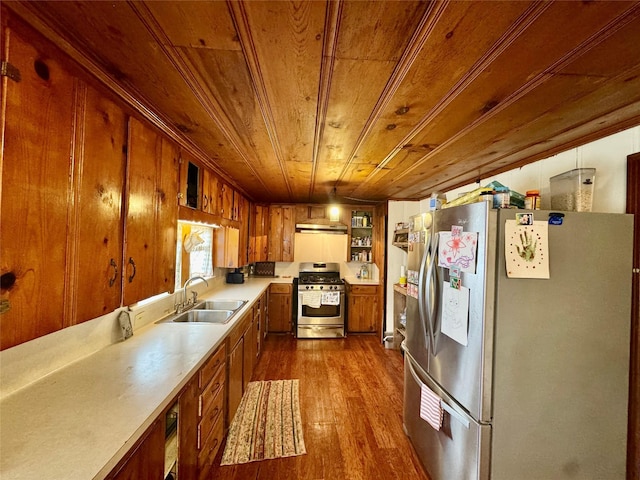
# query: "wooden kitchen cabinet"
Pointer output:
{"type": "Point", "coordinates": [234, 375]}
{"type": "Point", "coordinates": [249, 352]}
{"type": "Point", "coordinates": [227, 244]}
{"type": "Point", "coordinates": [151, 214]}
{"type": "Point", "coordinates": [279, 320]}
{"type": "Point", "coordinates": [244, 208]}
{"type": "Point", "coordinates": [281, 233]}
{"type": "Point", "coordinates": [240, 361]}
{"type": "Point", "coordinates": [225, 194]}
{"type": "Point", "coordinates": [211, 201]}
{"type": "Point", "coordinates": [363, 310]}
{"type": "Point", "coordinates": [96, 264]}
{"type": "Point", "coordinates": [146, 459]}
{"type": "Point", "coordinates": [258, 245]}
{"type": "Point", "coordinates": [206, 194]}
{"type": "Point", "coordinates": [200, 429]}
{"type": "Point", "coordinates": [212, 377]}
{"type": "Point", "coordinates": [259, 319]}
{"type": "Point", "coordinates": [188, 415]}
{"type": "Point", "coordinates": [36, 169]}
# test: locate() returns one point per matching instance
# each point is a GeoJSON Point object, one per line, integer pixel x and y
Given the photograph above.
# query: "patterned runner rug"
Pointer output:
{"type": "Point", "coordinates": [267, 424]}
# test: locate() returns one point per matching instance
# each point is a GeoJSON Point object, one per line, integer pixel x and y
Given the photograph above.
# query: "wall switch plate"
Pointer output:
{"type": "Point", "coordinates": [125, 325]}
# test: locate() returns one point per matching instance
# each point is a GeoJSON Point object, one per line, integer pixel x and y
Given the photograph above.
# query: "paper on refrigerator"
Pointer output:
{"type": "Point", "coordinates": [526, 249]}
{"type": "Point", "coordinates": [455, 313]}
{"type": "Point", "coordinates": [458, 251]}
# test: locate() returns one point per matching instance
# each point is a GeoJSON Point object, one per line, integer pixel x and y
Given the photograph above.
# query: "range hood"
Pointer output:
{"type": "Point", "coordinates": [315, 228]}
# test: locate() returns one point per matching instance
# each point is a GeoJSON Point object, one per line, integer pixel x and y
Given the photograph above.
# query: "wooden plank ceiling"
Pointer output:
{"type": "Point", "coordinates": [311, 101]}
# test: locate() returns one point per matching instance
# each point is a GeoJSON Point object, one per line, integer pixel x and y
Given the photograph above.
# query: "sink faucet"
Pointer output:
{"type": "Point", "coordinates": [186, 304]}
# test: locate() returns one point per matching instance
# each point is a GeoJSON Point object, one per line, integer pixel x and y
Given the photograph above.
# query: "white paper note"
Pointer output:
{"type": "Point", "coordinates": [526, 249]}
{"type": "Point", "coordinates": [455, 313]}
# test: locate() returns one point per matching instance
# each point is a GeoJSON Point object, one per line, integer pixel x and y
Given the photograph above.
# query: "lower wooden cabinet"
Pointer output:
{"type": "Point", "coordinates": [189, 402]}
{"type": "Point", "coordinates": [234, 374]}
{"type": "Point", "coordinates": [146, 459]}
{"type": "Point", "coordinates": [240, 362]}
{"type": "Point", "coordinates": [259, 324]}
{"type": "Point", "coordinates": [280, 307]}
{"type": "Point", "coordinates": [211, 411]}
{"type": "Point", "coordinates": [206, 406]}
{"type": "Point", "coordinates": [363, 311]}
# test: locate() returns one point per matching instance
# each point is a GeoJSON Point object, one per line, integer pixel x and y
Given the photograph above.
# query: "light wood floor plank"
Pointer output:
{"type": "Point", "coordinates": [351, 406]}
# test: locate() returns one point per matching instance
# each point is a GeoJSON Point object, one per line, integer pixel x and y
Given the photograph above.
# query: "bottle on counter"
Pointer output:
{"type": "Point", "coordinates": [364, 272]}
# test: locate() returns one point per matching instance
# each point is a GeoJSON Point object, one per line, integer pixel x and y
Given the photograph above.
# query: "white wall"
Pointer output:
{"type": "Point", "coordinates": [608, 156]}
{"type": "Point", "coordinates": [396, 212]}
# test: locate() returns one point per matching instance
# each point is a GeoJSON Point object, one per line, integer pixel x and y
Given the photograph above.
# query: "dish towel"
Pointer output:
{"type": "Point", "coordinates": [431, 407]}
{"type": "Point", "coordinates": [312, 299]}
{"type": "Point", "coordinates": [331, 298]}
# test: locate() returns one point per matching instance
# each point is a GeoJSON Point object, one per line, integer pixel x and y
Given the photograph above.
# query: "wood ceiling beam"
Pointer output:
{"type": "Point", "coordinates": [240, 20]}
{"type": "Point", "coordinates": [331, 32]}
{"type": "Point", "coordinates": [527, 18]}
{"type": "Point", "coordinates": [209, 102]}
{"type": "Point", "coordinates": [609, 30]}
{"type": "Point", "coordinates": [419, 38]}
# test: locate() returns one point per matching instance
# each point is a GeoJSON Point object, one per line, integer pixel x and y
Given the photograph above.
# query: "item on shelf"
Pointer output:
{"type": "Point", "coordinates": [486, 197]}
{"type": "Point", "coordinates": [516, 199]}
{"type": "Point", "coordinates": [501, 197]}
{"type": "Point", "coordinates": [469, 197]}
{"type": "Point", "coordinates": [532, 200]}
{"type": "Point", "coordinates": [573, 190]}
{"type": "Point", "coordinates": [436, 200]}
{"type": "Point", "coordinates": [403, 275]}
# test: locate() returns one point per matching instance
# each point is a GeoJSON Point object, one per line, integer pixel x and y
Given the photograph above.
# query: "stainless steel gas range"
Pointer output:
{"type": "Point", "coordinates": [321, 301]}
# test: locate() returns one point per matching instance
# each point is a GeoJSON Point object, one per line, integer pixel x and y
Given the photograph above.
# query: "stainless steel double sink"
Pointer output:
{"type": "Point", "coordinates": [209, 311]}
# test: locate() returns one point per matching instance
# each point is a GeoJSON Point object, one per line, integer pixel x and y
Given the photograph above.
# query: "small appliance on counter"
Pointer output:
{"type": "Point", "coordinates": [264, 269]}
{"type": "Point", "coordinates": [236, 276]}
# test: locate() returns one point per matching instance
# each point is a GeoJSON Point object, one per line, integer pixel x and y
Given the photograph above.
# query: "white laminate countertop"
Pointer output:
{"type": "Point", "coordinates": [79, 422]}
{"type": "Point", "coordinates": [361, 281]}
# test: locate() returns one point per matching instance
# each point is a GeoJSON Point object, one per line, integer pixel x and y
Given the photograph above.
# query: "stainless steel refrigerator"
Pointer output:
{"type": "Point", "coordinates": [540, 390]}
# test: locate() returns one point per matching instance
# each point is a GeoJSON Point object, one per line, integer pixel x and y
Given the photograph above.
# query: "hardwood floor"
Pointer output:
{"type": "Point", "coordinates": [351, 407]}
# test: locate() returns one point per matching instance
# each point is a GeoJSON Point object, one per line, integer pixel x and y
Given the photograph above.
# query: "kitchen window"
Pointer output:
{"type": "Point", "coordinates": [194, 255]}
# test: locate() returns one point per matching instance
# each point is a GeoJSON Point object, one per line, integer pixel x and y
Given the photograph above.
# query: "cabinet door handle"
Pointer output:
{"type": "Point", "coordinates": [112, 280]}
{"type": "Point", "coordinates": [133, 264]}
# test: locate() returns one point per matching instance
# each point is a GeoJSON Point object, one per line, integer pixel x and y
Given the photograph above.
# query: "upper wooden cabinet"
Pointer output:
{"type": "Point", "coordinates": [151, 214]}
{"type": "Point", "coordinates": [36, 169]}
{"type": "Point", "coordinates": [225, 195]}
{"type": "Point", "coordinates": [243, 207]}
{"type": "Point", "coordinates": [258, 228]}
{"type": "Point", "coordinates": [281, 233]}
{"type": "Point", "coordinates": [227, 241]}
{"type": "Point", "coordinates": [97, 262]}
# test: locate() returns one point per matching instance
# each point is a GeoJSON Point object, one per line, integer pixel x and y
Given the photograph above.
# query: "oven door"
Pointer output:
{"type": "Point", "coordinates": [325, 321]}
{"type": "Point", "coordinates": [323, 315]}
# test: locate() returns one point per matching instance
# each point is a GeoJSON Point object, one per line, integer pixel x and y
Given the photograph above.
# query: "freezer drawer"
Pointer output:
{"type": "Point", "coordinates": [460, 450]}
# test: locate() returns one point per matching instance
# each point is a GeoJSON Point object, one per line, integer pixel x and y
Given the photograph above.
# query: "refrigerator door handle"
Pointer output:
{"type": "Point", "coordinates": [433, 294]}
{"type": "Point", "coordinates": [446, 407]}
{"type": "Point", "coordinates": [422, 298]}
